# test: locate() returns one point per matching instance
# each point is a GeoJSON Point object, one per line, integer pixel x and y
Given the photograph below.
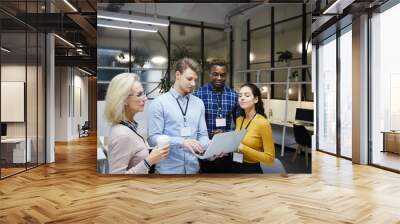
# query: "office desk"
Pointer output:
{"type": "Point", "coordinates": [391, 141]}
{"type": "Point", "coordinates": [286, 138]}
{"type": "Point", "coordinates": [13, 150]}
{"type": "Point", "coordinates": [309, 128]}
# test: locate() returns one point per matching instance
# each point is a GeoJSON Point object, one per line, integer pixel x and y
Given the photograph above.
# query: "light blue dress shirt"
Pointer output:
{"type": "Point", "coordinates": [166, 118]}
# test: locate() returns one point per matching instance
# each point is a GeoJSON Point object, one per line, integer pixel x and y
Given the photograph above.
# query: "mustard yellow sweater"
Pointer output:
{"type": "Point", "coordinates": [258, 142]}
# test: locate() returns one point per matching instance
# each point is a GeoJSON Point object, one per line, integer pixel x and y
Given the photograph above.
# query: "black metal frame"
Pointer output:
{"type": "Point", "coordinates": [369, 78]}
{"type": "Point", "coordinates": [272, 25]}
{"type": "Point", "coordinates": [272, 92]}
{"type": "Point", "coordinates": [231, 58]}
{"type": "Point", "coordinates": [248, 40]}
{"type": "Point", "coordinates": [304, 51]}
{"type": "Point", "coordinates": [37, 164]}
{"type": "Point", "coordinates": [338, 98]}
{"type": "Point", "coordinates": [201, 81]}
{"type": "Point", "coordinates": [202, 27]}
{"type": "Point", "coordinates": [316, 97]}
{"type": "Point", "coordinates": [382, 8]}
{"type": "Point", "coordinates": [337, 34]}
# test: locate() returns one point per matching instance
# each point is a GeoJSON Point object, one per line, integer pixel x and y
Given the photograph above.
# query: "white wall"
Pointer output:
{"type": "Point", "coordinates": [71, 94]}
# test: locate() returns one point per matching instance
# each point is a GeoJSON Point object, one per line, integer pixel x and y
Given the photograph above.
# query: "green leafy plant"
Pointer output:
{"type": "Point", "coordinates": [141, 56]}
{"type": "Point", "coordinates": [294, 76]}
{"type": "Point", "coordinates": [165, 85]}
{"type": "Point", "coordinates": [285, 56]}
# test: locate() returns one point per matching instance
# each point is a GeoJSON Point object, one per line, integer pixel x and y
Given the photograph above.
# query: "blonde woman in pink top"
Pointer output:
{"type": "Point", "coordinates": [128, 152]}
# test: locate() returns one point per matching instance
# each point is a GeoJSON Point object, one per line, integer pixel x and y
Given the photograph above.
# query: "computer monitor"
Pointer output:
{"type": "Point", "coordinates": [305, 115]}
{"type": "Point", "coordinates": [3, 129]}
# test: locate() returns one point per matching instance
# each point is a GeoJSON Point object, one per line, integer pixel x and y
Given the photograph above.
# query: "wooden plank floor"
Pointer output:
{"type": "Point", "coordinates": [70, 191]}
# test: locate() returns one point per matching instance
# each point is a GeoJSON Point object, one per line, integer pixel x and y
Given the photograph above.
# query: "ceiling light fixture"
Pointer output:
{"type": "Point", "coordinates": [70, 5]}
{"type": "Point", "coordinates": [158, 60]}
{"type": "Point", "coordinates": [338, 6]}
{"type": "Point", "coordinates": [251, 57]}
{"type": "Point", "coordinates": [300, 48]}
{"type": "Point", "coordinates": [131, 18]}
{"type": "Point", "coordinates": [125, 26]}
{"type": "Point", "coordinates": [264, 89]}
{"type": "Point", "coordinates": [86, 72]}
{"type": "Point", "coordinates": [124, 58]}
{"type": "Point", "coordinates": [65, 41]}
{"type": "Point", "coordinates": [5, 50]}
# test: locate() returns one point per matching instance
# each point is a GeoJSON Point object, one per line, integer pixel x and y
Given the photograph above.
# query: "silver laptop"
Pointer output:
{"type": "Point", "coordinates": [223, 143]}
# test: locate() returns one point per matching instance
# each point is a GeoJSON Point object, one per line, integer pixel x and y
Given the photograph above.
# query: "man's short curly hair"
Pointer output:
{"type": "Point", "coordinates": [218, 62]}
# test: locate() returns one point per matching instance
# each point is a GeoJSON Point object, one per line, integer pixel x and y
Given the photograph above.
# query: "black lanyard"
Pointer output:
{"type": "Point", "coordinates": [219, 104]}
{"type": "Point", "coordinates": [248, 123]}
{"type": "Point", "coordinates": [180, 107]}
{"type": "Point", "coordinates": [130, 127]}
{"type": "Point", "coordinates": [219, 101]}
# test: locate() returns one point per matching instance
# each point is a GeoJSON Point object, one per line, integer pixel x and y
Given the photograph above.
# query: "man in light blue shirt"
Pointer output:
{"type": "Point", "coordinates": [181, 116]}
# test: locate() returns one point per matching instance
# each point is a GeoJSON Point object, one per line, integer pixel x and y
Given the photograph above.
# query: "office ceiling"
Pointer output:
{"type": "Point", "coordinates": [213, 13]}
{"type": "Point", "coordinates": [78, 28]}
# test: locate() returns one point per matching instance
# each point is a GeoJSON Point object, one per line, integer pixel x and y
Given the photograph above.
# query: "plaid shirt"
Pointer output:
{"type": "Point", "coordinates": [229, 104]}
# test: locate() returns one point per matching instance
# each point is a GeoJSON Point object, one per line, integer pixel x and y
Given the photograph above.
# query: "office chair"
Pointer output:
{"type": "Point", "coordinates": [303, 139]}
{"type": "Point", "coordinates": [84, 130]}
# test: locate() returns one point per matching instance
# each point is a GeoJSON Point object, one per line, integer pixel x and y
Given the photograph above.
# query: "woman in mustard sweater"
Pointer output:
{"type": "Point", "coordinates": [257, 146]}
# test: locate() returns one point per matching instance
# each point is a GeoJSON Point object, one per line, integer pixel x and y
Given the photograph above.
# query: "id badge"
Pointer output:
{"type": "Point", "coordinates": [238, 157]}
{"type": "Point", "coordinates": [186, 131]}
{"type": "Point", "coordinates": [220, 122]}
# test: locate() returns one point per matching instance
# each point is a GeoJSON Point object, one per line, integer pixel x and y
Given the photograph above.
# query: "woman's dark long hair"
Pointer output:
{"type": "Point", "coordinates": [257, 94]}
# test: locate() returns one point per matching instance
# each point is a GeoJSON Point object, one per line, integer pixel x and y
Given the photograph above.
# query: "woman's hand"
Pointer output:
{"type": "Point", "coordinates": [241, 146]}
{"type": "Point", "coordinates": [158, 154]}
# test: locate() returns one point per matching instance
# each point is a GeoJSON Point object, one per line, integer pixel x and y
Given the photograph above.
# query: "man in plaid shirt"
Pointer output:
{"type": "Point", "coordinates": [221, 105]}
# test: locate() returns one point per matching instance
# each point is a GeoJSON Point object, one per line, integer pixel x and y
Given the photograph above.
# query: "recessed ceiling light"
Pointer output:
{"type": "Point", "coordinates": [252, 57]}
{"type": "Point", "coordinates": [71, 6]}
{"type": "Point", "coordinates": [159, 60]}
{"type": "Point", "coordinates": [131, 18]}
{"type": "Point", "coordinates": [126, 26]}
{"type": "Point", "coordinates": [65, 41]}
{"type": "Point", "coordinates": [5, 50]}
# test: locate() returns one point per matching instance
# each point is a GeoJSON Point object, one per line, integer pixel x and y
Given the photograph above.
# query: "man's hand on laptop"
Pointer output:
{"type": "Point", "coordinates": [217, 131]}
{"type": "Point", "coordinates": [193, 145]}
{"type": "Point", "coordinates": [212, 158]}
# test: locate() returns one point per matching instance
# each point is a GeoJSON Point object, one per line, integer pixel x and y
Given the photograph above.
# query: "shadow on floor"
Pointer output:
{"type": "Point", "coordinates": [297, 166]}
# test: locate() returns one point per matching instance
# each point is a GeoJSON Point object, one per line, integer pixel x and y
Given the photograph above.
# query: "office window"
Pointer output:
{"type": "Point", "coordinates": [216, 46]}
{"type": "Point", "coordinates": [13, 83]}
{"type": "Point", "coordinates": [327, 96]}
{"type": "Point", "coordinates": [346, 93]}
{"type": "Point", "coordinates": [385, 88]}
{"type": "Point", "coordinates": [112, 56]}
{"type": "Point", "coordinates": [260, 53]}
{"type": "Point", "coordinates": [185, 42]}
{"type": "Point", "coordinates": [150, 58]}
{"type": "Point", "coordinates": [287, 38]}
{"type": "Point", "coordinates": [32, 95]}
{"type": "Point", "coordinates": [308, 95]}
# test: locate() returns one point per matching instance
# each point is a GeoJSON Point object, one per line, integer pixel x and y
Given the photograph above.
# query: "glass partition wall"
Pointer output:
{"type": "Point", "coordinates": [385, 90]}
{"type": "Point", "coordinates": [276, 32]}
{"type": "Point", "coordinates": [334, 94]}
{"type": "Point", "coordinates": [327, 95]}
{"type": "Point", "coordinates": [22, 88]}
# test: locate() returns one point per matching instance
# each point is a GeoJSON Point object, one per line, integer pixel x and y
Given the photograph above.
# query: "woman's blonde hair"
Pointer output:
{"type": "Point", "coordinates": [119, 89]}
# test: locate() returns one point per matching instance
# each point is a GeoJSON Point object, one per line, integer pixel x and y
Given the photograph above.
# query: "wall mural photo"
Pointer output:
{"type": "Point", "coordinates": [179, 92]}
